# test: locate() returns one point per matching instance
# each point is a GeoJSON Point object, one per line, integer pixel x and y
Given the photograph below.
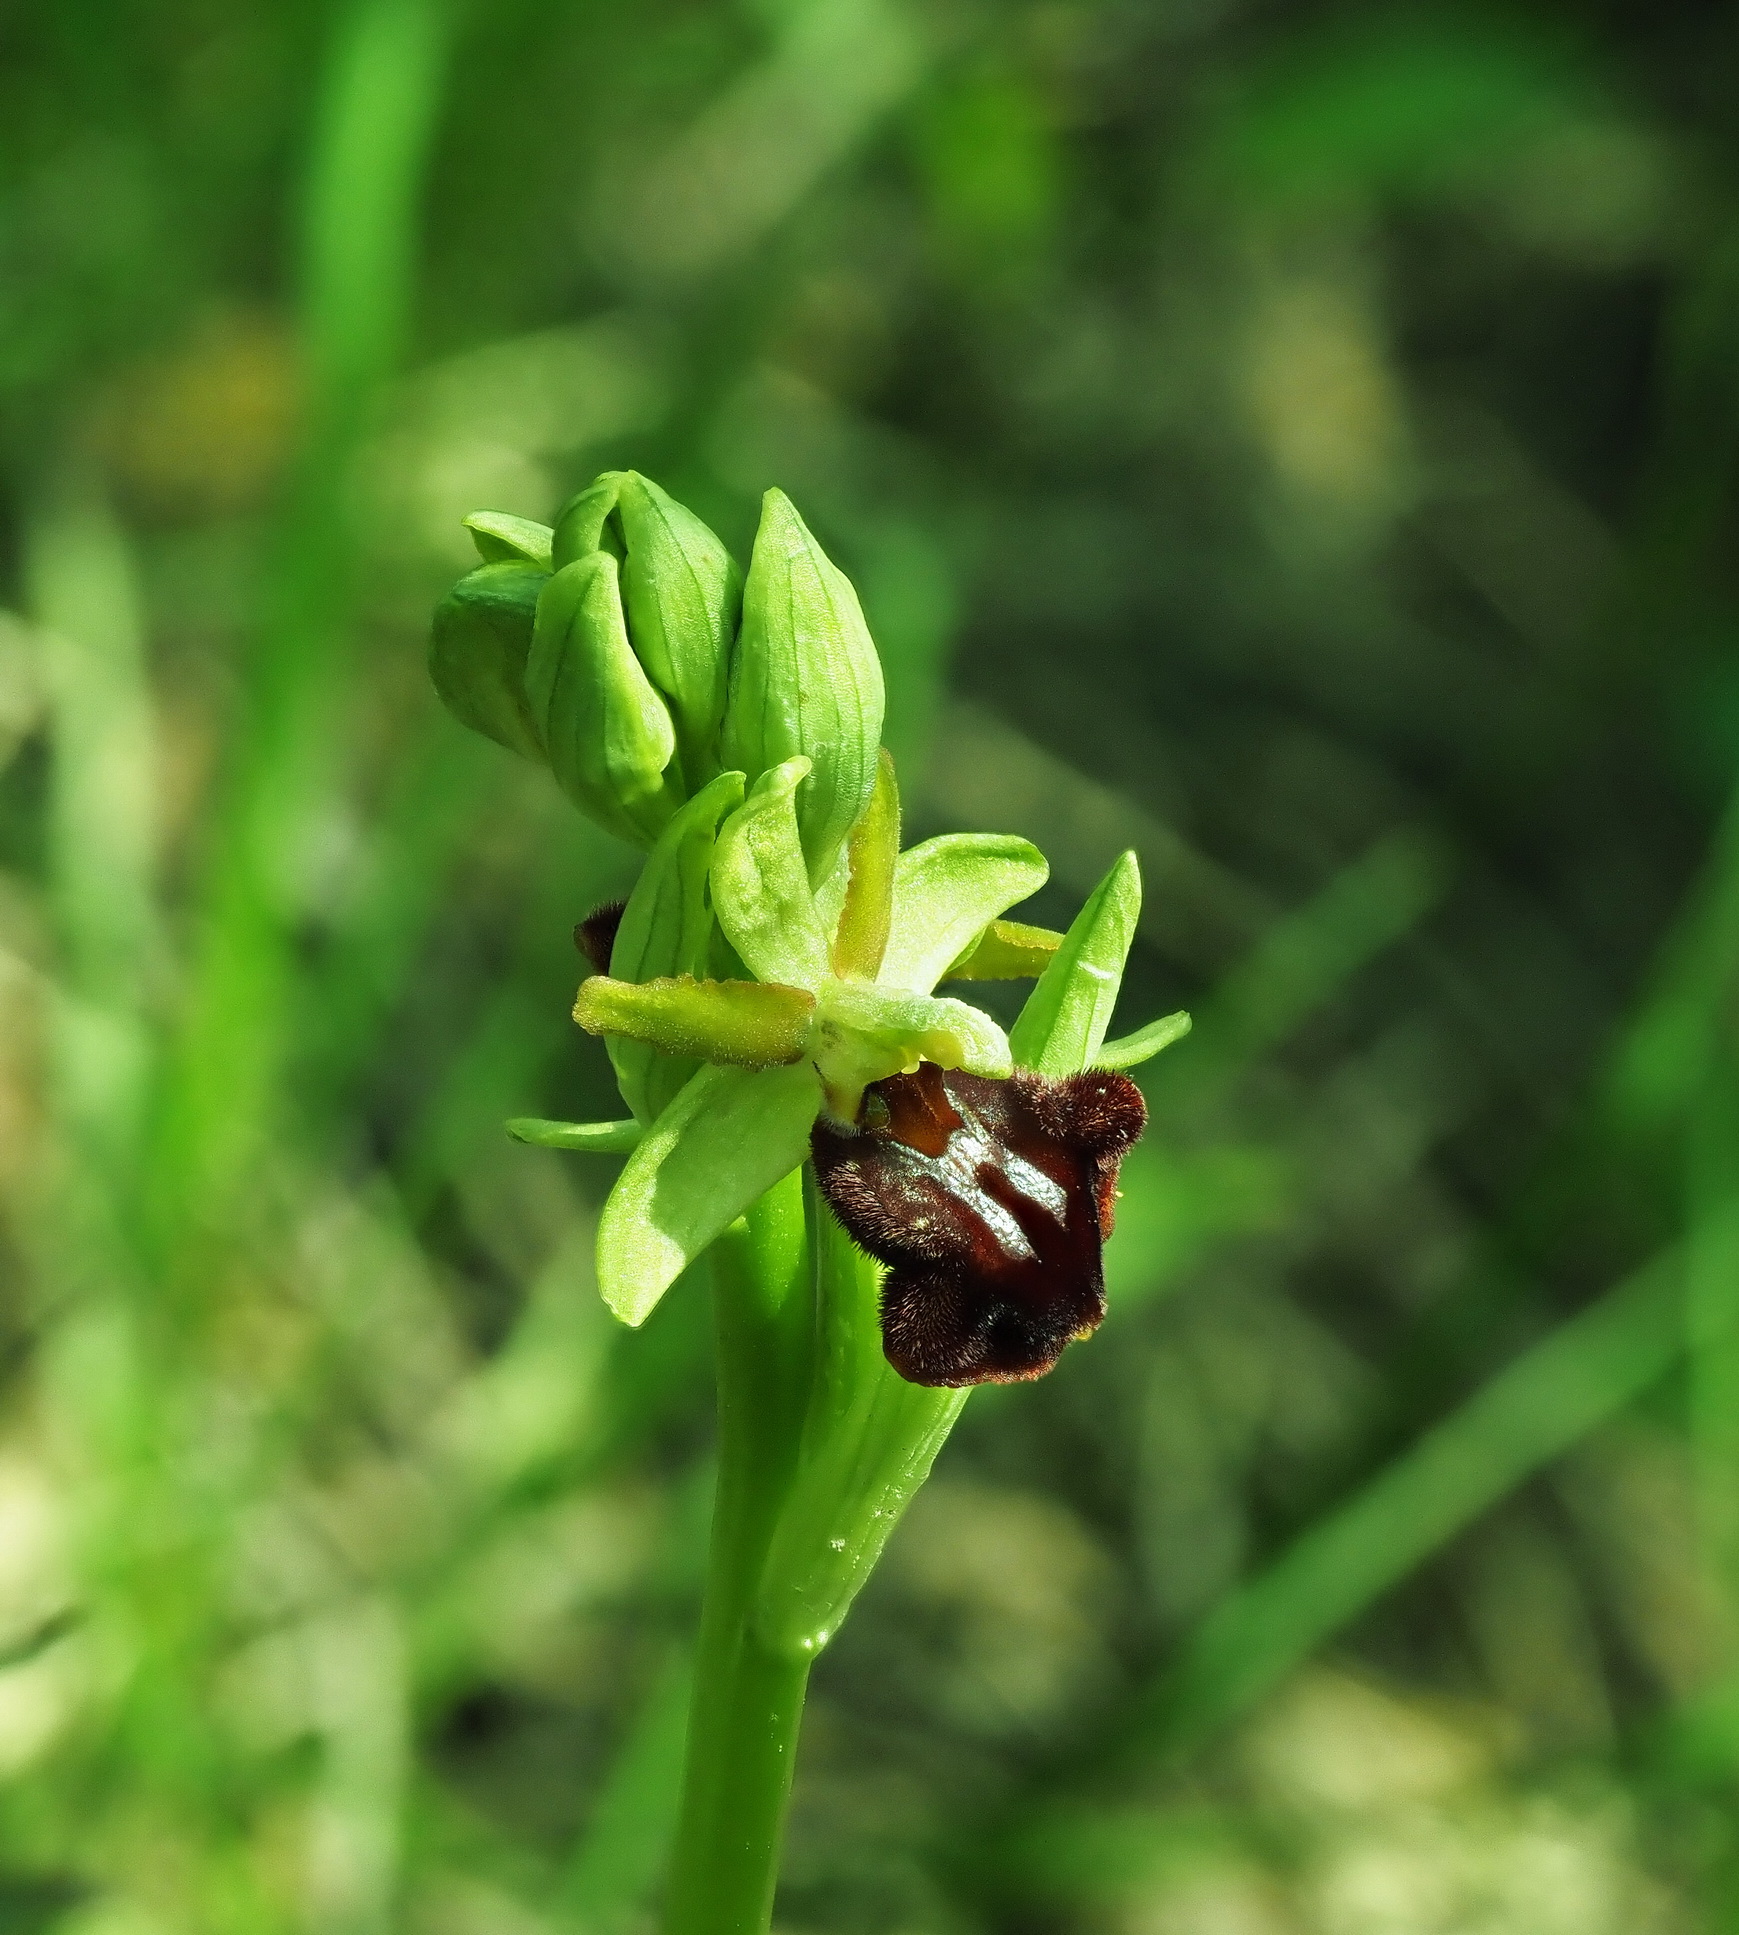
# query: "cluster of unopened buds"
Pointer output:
{"type": "Point", "coordinates": [767, 990]}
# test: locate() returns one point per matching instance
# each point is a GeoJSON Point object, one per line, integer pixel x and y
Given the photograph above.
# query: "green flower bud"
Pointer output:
{"type": "Point", "coordinates": [607, 734]}
{"type": "Point", "coordinates": [478, 650]}
{"type": "Point", "coordinates": [682, 590]}
{"type": "Point", "coordinates": [805, 680]}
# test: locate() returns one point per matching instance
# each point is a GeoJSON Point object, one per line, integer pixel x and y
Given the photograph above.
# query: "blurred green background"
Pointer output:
{"type": "Point", "coordinates": [1299, 440]}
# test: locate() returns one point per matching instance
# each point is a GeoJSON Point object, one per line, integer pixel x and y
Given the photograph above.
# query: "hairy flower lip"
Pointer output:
{"type": "Point", "coordinates": [988, 1201]}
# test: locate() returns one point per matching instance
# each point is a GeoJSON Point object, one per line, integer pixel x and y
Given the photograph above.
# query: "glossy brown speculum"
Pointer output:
{"type": "Point", "coordinates": [989, 1201]}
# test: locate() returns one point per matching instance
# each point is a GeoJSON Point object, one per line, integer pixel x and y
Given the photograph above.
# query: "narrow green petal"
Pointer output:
{"type": "Point", "coordinates": [741, 1024]}
{"type": "Point", "coordinates": [760, 884]}
{"type": "Point", "coordinates": [598, 1138]}
{"type": "Point", "coordinates": [1007, 950]}
{"type": "Point", "coordinates": [946, 892]}
{"type": "Point", "coordinates": [498, 534]}
{"type": "Point", "coordinates": [725, 1140]}
{"type": "Point", "coordinates": [1066, 1015]}
{"type": "Point", "coordinates": [1130, 1051]}
{"type": "Point", "coordinates": [667, 929]}
{"type": "Point", "coordinates": [873, 855]}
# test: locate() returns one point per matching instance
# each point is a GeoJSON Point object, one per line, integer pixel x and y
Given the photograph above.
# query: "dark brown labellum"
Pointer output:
{"type": "Point", "coordinates": [989, 1201]}
{"type": "Point", "coordinates": [595, 936]}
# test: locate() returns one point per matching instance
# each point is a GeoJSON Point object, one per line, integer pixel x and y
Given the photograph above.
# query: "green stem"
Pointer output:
{"type": "Point", "coordinates": [748, 1699]}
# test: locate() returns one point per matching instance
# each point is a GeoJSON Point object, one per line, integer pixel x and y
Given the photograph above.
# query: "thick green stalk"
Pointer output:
{"type": "Point", "coordinates": [748, 1698]}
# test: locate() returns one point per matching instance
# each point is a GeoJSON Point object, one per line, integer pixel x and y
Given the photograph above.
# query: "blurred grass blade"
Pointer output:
{"type": "Point", "coordinates": [1712, 1326]}
{"type": "Point", "coordinates": [1527, 1415]}
{"type": "Point", "coordinates": [102, 831]}
{"type": "Point", "coordinates": [373, 124]}
{"type": "Point", "coordinates": [1302, 960]}
{"type": "Point", "coordinates": [622, 1853]}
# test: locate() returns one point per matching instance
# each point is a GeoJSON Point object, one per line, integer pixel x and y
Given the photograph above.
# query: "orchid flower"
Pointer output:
{"type": "Point", "coordinates": [898, 1199]}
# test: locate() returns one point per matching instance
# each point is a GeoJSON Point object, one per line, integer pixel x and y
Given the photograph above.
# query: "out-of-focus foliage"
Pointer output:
{"type": "Point", "coordinates": [1299, 439]}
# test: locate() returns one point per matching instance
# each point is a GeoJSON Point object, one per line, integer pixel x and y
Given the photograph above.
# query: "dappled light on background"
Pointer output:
{"type": "Point", "coordinates": [1296, 444]}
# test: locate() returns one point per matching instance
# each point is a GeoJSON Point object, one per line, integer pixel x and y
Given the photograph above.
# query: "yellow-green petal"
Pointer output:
{"type": "Point", "coordinates": [946, 892]}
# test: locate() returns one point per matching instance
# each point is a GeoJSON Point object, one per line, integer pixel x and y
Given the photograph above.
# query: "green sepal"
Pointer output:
{"type": "Point", "coordinates": [1065, 1018]}
{"type": "Point", "coordinates": [726, 1139]}
{"type": "Point", "coordinates": [860, 940]}
{"type": "Point", "coordinates": [499, 534]}
{"type": "Point", "coordinates": [667, 928]}
{"type": "Point", "coordinates": [595, 1138]}
{"type": "Point", "coordinates": [607, 733]}
{"type": "Point", "coordinates": [736, 1024]}
{"type": "Point", "coordinates": [946, 892]}
{"type": "Point", "coordinates": [863, 1034]}
{"type": "Point", "coordinates": [478, 648]}
{"type": "Point", "coordinates": [761, 891]}
{"type": "Point", "coordinates": [1130, 1051]}
{"type": "Point", "coordinates": [805, 680]}
{"type": "Point", "coordinates": [1007, 950]}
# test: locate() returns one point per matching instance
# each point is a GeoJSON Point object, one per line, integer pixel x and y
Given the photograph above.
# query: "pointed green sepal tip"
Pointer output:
{"type": "Point", "coordinates": [735, 1024]}
{"type": "Point", "coordinates": [1066, 1016]}
{"type": "Point", "coordinates": [1130, 1051]}
{"type": "Point", "coordinates": [583, 524]}
{"type": "Point", "coordinates": [607, 733]}
{"type": "Point", "coordinates": [725, 1140]}
{"type": "Point", "coordinates": [478, 648]}
{"type": "Point", "coordinates": [595, 1138]}
{"type": "Point", "coordinates": [805, 680]}
{"type": "Point", "coordinates": [499, 534]}
{"type": "Point", "coordinates": [860, 941]}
